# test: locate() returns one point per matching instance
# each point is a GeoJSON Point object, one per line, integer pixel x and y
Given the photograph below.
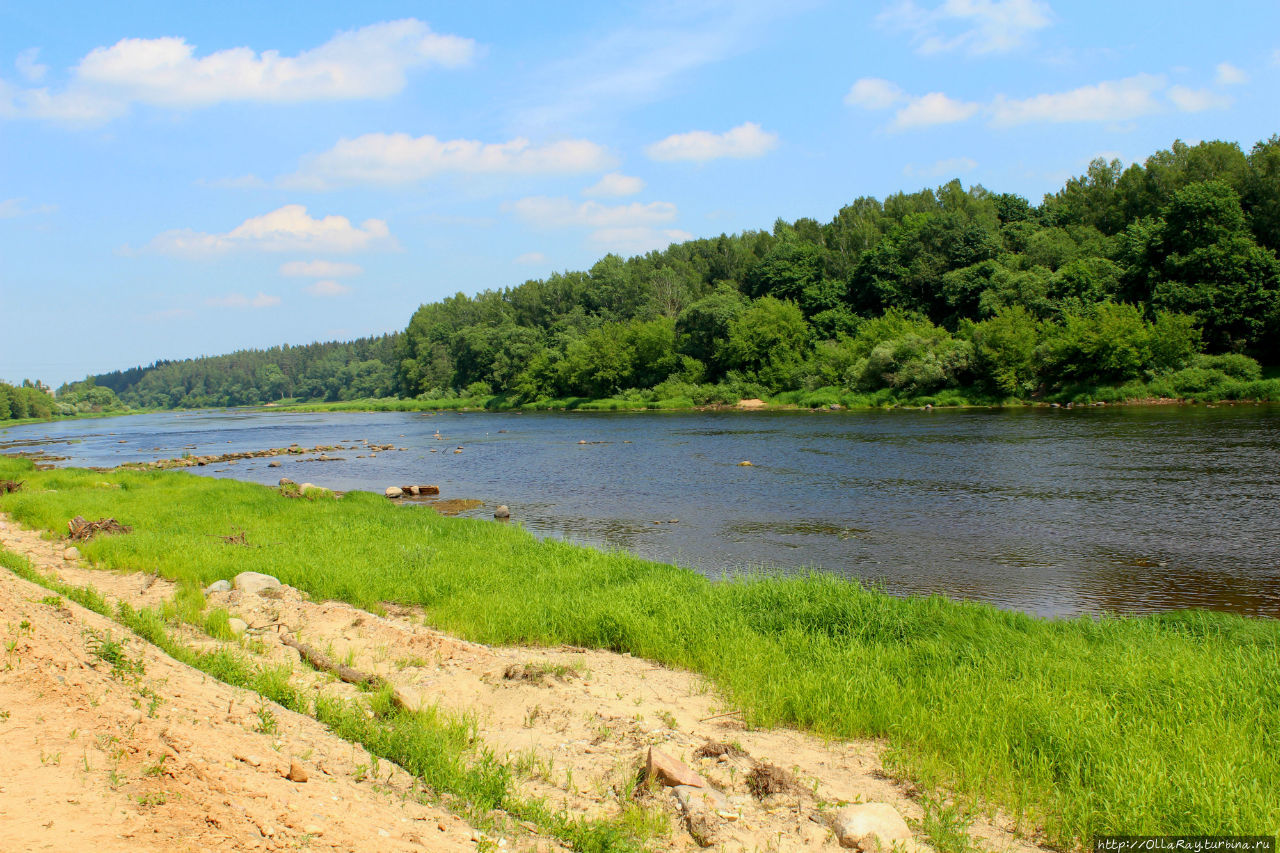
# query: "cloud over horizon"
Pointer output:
{"type": "Point", "coordinates": [745, 141]}
{"type": "Point", "coordinates": [369, 62]}
{"type": "Point", "coordinates": [1108, 101]}
{"type": "Point", "coordinates": [287, 229]}
{"type": "Point", "coordinates": [398, 158]}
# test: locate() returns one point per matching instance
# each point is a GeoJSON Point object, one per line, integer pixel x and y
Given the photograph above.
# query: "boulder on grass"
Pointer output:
{"type": "Point", "coordinates": [253, 583]}
{"type": "Point", "coordinates": [218, 586]}
{"type": "Point", "coordinates": [871, 827]}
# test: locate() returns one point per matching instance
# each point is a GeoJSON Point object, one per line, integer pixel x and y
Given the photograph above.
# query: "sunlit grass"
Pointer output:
{"type": "Point", "coordinates": [1137, 725]}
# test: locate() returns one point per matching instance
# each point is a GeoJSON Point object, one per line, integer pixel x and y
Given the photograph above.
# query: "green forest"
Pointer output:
{"type": "Point", "coordinates": [34, 400]}
{"type": "Point", "coordinates": [1156, 280]}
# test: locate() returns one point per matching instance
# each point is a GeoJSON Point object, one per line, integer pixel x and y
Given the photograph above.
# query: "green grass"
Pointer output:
{"type": "Point", "coordinates": [1142, 725]}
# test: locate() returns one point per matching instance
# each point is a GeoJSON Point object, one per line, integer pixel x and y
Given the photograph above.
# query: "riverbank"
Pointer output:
{"type": "Point", "coordinates": [79, 416]}
{"type": "Point", "coordinates": [1132, 394]}
{"type": "Point", "coordinates": [531, 749]}
{"type": "Point", "coordinates": [1158, 724]}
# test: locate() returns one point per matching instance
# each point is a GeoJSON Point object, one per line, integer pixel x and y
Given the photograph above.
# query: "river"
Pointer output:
{"type": "Point", "coordinates": [1055, 512]}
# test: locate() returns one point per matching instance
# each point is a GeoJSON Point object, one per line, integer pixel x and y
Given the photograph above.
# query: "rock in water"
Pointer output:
{"type": "Point", "coordinates": [218, 586]}
{"type": "Point", "coordinates": [393, 492]}
{"type": "Point", "coordinates": [502, 512]}
{"type": "Point", "coordinates": [745, 463]}
{"type": "Point", "coordinates": [254, 583]}
{"type": "Point", "coordinates": [670, 772]}
{"type": "Point", "coordinates": [273, 464]}
{"type": "Point", "coordinates": [871, 827]}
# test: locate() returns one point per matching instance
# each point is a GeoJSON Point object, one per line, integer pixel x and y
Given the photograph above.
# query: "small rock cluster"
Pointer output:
{"type": "Point", "coordinates": [868, 827]}
{"type": "Point", "coordinates": [395, 492]}
{"type": "Point", "coordinates": [213, 459]}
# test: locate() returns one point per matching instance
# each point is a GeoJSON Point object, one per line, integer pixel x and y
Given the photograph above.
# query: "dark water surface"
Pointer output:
{"type": "Point", "coordinates": [1050, 511]}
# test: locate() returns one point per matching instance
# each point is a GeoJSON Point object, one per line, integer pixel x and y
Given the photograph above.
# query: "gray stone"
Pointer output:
{"type": "Point", "coordinates": [871, 827]}
{"type": "Point", "coordinates": [690, 797]}
{"type": "Point", "coordinates": [218, 586]}
{"type": "Point", "coordinates": [393, 492]}
{"type": "Point", "coordinates": [254, 583]}
{"type": "Point", "coordinates": [238, 625]}
{"type": "Point", "coordinates": [502, 512]}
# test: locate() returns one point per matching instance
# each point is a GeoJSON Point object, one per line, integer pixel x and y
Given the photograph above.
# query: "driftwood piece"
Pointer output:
{"type": "Point", "coordinates": [81, 529]}
{"type": "Point", "coordinates": [350, 675]}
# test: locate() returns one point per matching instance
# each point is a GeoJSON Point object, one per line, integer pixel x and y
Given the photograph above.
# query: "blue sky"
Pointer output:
{"type": "Point", "coordinates": [188, 179]}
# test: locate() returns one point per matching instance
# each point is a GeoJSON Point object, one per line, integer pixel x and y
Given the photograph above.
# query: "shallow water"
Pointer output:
{"type": "Point", "coordinates": [1049, 511]}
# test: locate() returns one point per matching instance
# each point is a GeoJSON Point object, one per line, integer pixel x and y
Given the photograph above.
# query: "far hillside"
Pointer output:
{"type": "Point", "coordinates": [320, 371]}
{"type": "Point", "coordinates": [1159, 279]}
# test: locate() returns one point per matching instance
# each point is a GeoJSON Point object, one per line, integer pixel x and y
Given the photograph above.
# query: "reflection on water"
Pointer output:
{"type": "Point", "coordinates": [1048, 511]}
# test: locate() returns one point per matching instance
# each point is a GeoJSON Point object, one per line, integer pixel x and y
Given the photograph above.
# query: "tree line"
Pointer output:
{"type": "Point", "coordinates": [1160, 277]}
{"type": "Point", "coordinates": [318, 371]}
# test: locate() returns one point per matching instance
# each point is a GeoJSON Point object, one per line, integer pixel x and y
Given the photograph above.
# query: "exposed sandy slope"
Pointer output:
{"type": "Point", "coordinates": [583, 733]}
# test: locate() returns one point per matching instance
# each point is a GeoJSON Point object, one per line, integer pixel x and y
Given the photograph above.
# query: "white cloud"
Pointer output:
{"type": "Point", "coordinates": [614, 185]}
{"type": "Point", "coordinates": [397, 158]}
{"type": "Point", "coordinates": [873, 93]}
{"type": "Point", "coordinates": [70, 107]}
{"type": "Point", "coordinates": [562, 212]}
{"type": "Point", "coordinates": [622, 227]}
{"type": "Point", "coordinates": [933, 108]}
{"type": "Point", "coordinates": [1230, 75]}
{"type": "Point", "coordinates": [328, 287]}
{"type": "Point", "coordinates": [949, 167]}
{"type": "Point", "coordinates": [531, 258]}
{"type": "Point", "coordinates": [1108, 101]}
{"type": "Point", "coordinates": [1113, 100]}
{"type": "Point", "coordinates": [239, 300]}
{"type": "Point", "coordinates": [747, 140]}
{"type": "Point", "coordinates": [31, 70]}
{"type": "Point", "coordinates": [638, 238]}
{"type": "Point", "coordinates": [370, 62]}
{"type": "Point", "coordinates": [319, 269]}
{"type": "Point", "coordinates": [12, 208]}
{"type": "Point", "coordinates": [1197, 100]}
{"type": "Point", "coordinates": [641, 60]}
{"type": "Point", "coordinates": [288, 229]}
{"type": "Point", "coordinates": [975, 27]}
